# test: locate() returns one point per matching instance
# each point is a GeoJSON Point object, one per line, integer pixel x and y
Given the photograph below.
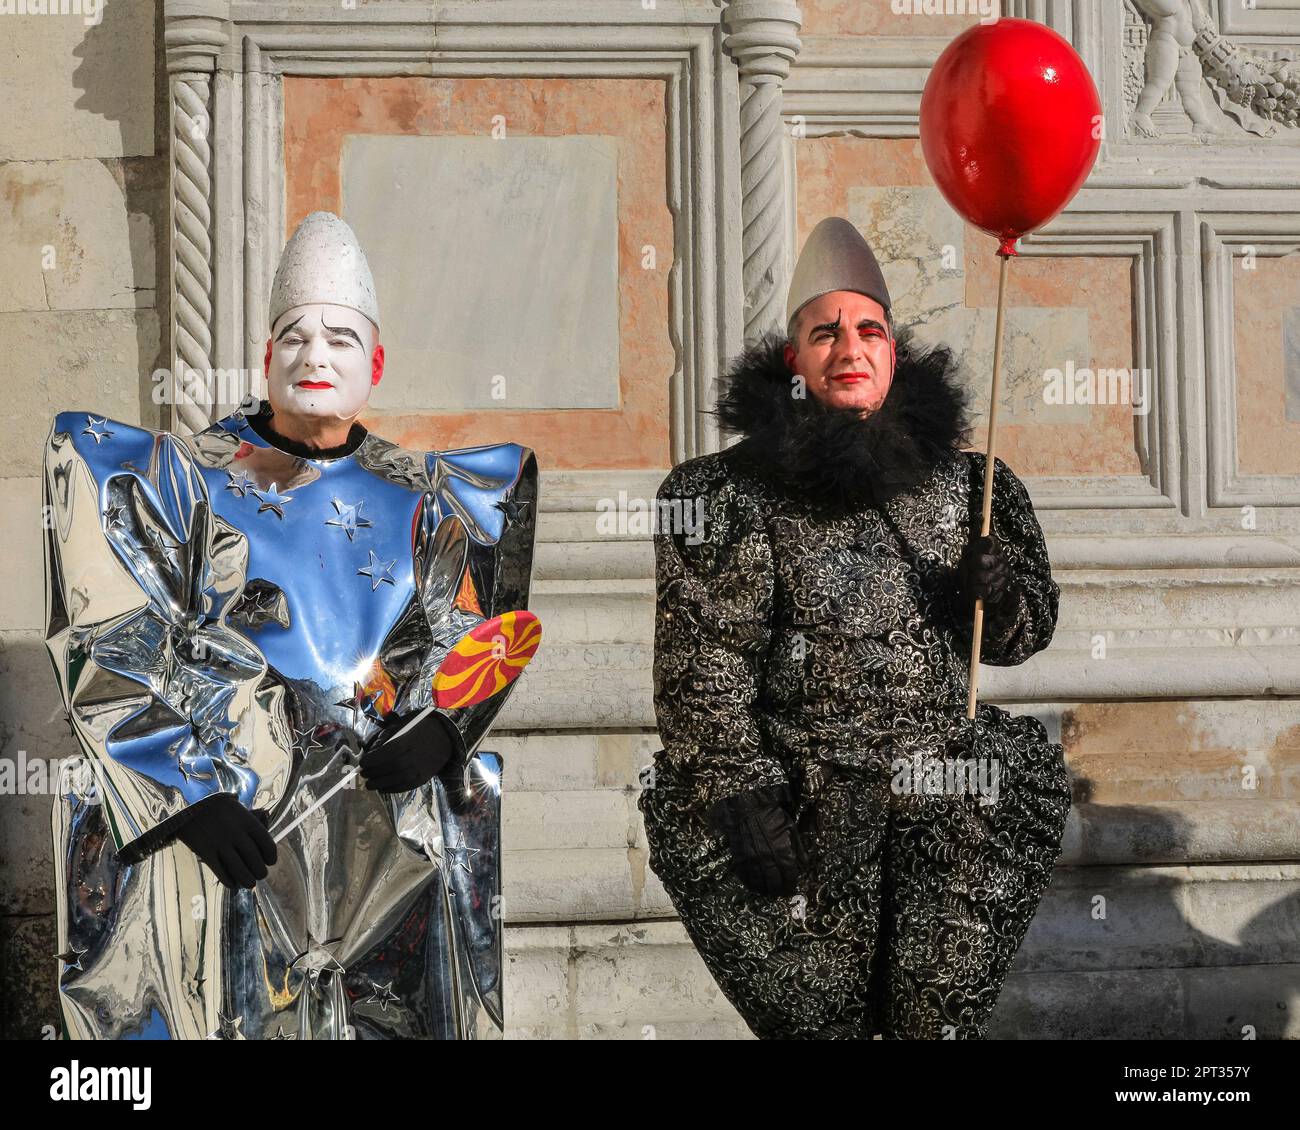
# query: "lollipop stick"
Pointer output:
{"type": "Point", "coordinates": [343, 783]}
{"type": "Point", "coordinates": [451, 667]}
{"type": "Point", "coordinates": [972, 691]}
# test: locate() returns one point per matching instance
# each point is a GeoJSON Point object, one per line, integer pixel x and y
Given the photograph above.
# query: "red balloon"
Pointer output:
{"type": "Point", "coordinates": [1010, 126]}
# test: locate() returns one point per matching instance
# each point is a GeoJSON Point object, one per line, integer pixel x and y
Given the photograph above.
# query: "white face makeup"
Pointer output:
{"type": "Point", "coordinates": [321, 362]}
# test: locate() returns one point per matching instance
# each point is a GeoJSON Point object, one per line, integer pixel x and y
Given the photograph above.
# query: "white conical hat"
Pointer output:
{"type": "Point", "coordinates": [835, 257]}
{"type": "Point", "coordinates": [323, 262]}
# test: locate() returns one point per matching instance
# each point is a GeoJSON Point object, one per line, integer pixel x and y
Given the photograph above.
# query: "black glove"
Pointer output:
{"type": "Point", "coordinates": [984, 572]}
{"type": "Point", "coordinates": [765, 850]}
{"type": "Point", "coordinates": [232, 841]}
{"type": "Point", "coordinates": [392, 764]}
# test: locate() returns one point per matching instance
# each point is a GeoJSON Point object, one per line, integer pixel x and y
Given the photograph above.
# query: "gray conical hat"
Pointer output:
{"type": "Point", "coordinates": [835, 257]}
{"type": "Point", "coordinates": [323, 262]}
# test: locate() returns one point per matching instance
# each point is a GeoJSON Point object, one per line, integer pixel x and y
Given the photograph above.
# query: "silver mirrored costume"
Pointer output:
{"type": "Point", "coordinates": [224, 616]}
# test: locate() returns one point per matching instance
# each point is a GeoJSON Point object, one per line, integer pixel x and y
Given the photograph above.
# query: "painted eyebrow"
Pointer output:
{"type": "Point", "coordinates": [834, 326]}
{"type": "Point", "coordinates": [290, 326]}
{"type": "Point", "coordinates": [345, 331]}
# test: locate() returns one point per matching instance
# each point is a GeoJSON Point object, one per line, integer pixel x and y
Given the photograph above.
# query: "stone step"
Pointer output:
{"type": "Point", "coordinates": [1118, 753]}
{"type": "Point", "coordinates": [575, 881]}
{"type": "Point", "coordinates": [1183, 953]}
{"type": "Point", "coordinates": [575, 847]}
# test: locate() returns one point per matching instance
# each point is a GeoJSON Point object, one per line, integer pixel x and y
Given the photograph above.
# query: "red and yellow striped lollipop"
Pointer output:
{"type": "Point", "coordinates": [487, 660]}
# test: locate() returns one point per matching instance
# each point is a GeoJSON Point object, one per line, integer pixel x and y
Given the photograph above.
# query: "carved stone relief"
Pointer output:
{"type": "Point", "coordinates": [1174, 50]}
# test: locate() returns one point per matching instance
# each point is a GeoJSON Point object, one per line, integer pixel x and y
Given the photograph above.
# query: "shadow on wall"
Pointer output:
{"type": "Point", "coordinates": [1112, 954]}
{"type": "Point", "coordinates": [104, 51]}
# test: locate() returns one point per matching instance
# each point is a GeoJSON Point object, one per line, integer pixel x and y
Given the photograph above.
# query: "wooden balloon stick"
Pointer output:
{"type": "Point", "coordinates": [972, 691]}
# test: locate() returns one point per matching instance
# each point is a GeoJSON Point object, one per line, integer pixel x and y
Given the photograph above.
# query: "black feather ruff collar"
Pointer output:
{"type": "Point", "coordinates": [833, 455]}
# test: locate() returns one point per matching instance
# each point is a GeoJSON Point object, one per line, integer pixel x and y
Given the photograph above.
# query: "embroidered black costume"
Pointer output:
{"type": "Point", "coordinates": [812, 650]}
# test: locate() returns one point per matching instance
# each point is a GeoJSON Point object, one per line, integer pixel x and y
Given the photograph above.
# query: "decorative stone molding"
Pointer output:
{"type": "Point", "coordinates": [1175, 44]}
{"type": "Point", "coordinates": [678, 42]}
{"type": "Point", "coordinates": [1224, 235]}
{"type": "Point", "coordinates": [194, 37]}
{"type": "Point", "coordinates": [762, 39]}
{"type": "Point", "coordinates": [1175, 211]}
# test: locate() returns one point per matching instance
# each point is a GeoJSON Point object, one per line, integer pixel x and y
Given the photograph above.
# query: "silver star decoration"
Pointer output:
{"type": "Point", "coordinates": [271, 499]}
{"type": "Point", "coordinates": [348, 519]}
{"type": "Point", "coordinates": [71, 957]}
{"type": "Point", "coordinates": [241, 482]}
{"type": "Point", "coordinates": [307, 738]}
{"type": "Point", "coordinates": [404, 469]}
{"type": "Point", "coordinates": [217, 730]}
{"type": "Point", "coordinates": [227, 1029]}
{"type": "Point", "coordinates": [382, 995]}
{"type": "Point", "coordinates": [363, 702]}
{"type": "Point", "coordinates": [465, 851]}
{"type": "Point", "coordinates": [376, 579]}
{"type": "Point", "coordinates": [164, 547]}
{"type": "Point", "coordinates": [280, 1034]}
{"type": "Point", "coordinates": [261, 603]}
{"type": "Point", "coordinates": [89, 429]}
{"type": "Point", "coordinates": [318, 959]}
{"type": "Point", "coordinates": [113, 517]}
{"type": "Point", "coordinates": [513, 510]}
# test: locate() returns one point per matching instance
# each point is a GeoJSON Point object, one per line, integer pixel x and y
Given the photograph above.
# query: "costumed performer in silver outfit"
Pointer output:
{"type": "Point", "coordinates": [236, 620]}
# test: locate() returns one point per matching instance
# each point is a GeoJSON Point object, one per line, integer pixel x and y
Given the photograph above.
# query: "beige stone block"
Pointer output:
{"type": "Point", "coordinates": [556, 762]}
{"type": "Point", "coordinates": [537, 981]}
{"type": "Point", "coordinates": [569, 884]}
{"type": "Point", "coordinates": [1137, 753]}
{"type": "Point", "coordinates": [605, 687]}
{"type": "Point", "coordinates": [568, 819]}
{"type": "Point", "coordinates": [545, 762]}
{"type": "Point", "coordinates": [622, 757]}
{"type": "Point", "coordinates": [636, 976]}
{"type": "Point", "coordinates": [78, 89]}
{"type": "Point", "coordinates": [30, 702]}
{"type": "Point", "coordinates": [96, 361]}
{"type": "Point", "coordinates": [22, 563]}
{"type": "Point", "coordinates": [711, 1028]}
{"type": "Point", "coordinates": [655, 902]}
{"type": "Point", "coordinates": [70, 242]}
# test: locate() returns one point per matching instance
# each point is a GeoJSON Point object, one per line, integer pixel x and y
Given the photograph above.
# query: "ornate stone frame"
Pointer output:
{"type": "Point", "coordinates": [226, 60]}
{"type": "Point", "coordinates": [871, 87]}
{"type": "Point", "coordinates": [1224, 235]}
{"type": "Point", "coordinates": [1178, 215]}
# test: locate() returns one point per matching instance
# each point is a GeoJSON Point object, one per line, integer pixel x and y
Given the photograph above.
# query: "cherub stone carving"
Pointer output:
{"type": "Point", "coordinates": [1170, 60]}
{"type": "Point", "coordinates": [1184, 49]}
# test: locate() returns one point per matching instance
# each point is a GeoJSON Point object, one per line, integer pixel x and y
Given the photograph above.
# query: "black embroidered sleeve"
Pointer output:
{"type": "Point", "coordinates": [714, 585]}
{"type": "Point", "coordinates": [1027, 626]}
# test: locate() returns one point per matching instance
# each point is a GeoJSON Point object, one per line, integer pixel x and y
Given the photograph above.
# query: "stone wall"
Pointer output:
{"type": "Point", "coordinates": [83, 322]}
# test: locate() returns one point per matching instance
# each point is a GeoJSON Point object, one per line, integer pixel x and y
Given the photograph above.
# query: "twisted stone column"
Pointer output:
{"type": "Point", "coordinates": [763, 40]}
{"type": "Point", "coordinates": [192, 48]}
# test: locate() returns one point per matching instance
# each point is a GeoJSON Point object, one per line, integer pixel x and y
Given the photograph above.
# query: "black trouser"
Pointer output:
{"type": "Point", "coordinates": [909, 915]}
